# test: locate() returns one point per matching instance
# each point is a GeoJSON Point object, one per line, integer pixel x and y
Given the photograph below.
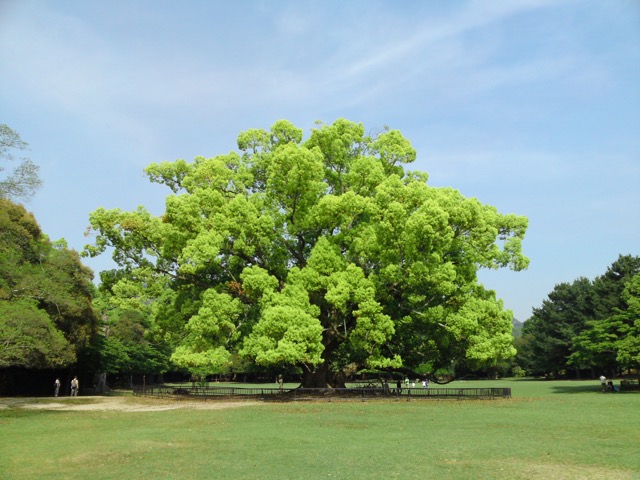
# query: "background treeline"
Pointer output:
{"type": "Point", "coordinates": [55, 323]}
{"type": "Point", "coordinates": [585, 328]}
{"type": "Point", "coordinates": [46, 312]}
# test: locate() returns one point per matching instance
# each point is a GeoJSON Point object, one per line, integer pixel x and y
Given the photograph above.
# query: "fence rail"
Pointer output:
{"type": "Point", "coordinates": [277, 394]}
{"type": "Point", "coordinates": [629, 385]}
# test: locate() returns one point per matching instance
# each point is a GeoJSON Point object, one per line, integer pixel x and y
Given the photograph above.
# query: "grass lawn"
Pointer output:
{"type": "Point", "coordinates": [549, 429]}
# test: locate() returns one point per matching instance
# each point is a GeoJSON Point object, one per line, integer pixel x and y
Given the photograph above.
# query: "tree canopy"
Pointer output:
{"type": "Point", "coordinates": [320, 253]}
{"type": "Point", "coordinates": [550, 333]}
{"type": "Point", "coordinates": [46, 316]}
{"type": "Point", "coordinates": [587, 325]}
{"type": "Point", "coordinates": [21, 181]}
{"type": "Point", "coordinates": [123, 343]}
{"type": "Point", "coordinates": [610, 340]}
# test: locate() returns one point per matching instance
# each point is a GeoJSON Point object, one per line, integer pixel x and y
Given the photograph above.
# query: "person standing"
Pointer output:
{"type": "Point", "coordinates": [75, 385]}
{"type": "Point", "coordinates": [56, 387]}
{"type": "Point", "coordinates": [603, 383]}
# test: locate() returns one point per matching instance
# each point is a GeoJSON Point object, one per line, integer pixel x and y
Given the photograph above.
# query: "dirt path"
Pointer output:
{"type": "Point", "coordinates": [118, 404]}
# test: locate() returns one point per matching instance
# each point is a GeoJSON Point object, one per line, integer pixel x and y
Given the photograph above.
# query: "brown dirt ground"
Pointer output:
{"type": "Point", "coordinates": [116, 403]}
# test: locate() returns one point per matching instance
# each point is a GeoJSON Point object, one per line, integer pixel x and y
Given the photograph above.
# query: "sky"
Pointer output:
{"type": "Point", "coordinates": [532, 106]}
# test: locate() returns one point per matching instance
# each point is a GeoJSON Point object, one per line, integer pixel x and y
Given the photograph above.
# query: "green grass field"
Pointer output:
{"type": "Point", "coordinates": [550, 430]}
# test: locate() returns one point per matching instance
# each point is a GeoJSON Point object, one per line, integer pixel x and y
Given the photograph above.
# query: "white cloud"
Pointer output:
{"type": "Point", "coordinates": [67, 63]}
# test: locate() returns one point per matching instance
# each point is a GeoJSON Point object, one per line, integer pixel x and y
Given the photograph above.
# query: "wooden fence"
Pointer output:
{"type": "Point", "coordinates": [294, 394]}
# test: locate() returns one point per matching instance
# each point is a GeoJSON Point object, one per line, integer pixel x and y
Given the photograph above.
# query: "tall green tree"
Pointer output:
{"type": "Point", "coordinates": [585, 325]}
{"type": "Point", "coordinates": [320, 253]}
{"type": "Point", "coordinates": [609, 287]}
{"type": "Point", "coordinates": [549, 335]}
{"type": "Point", "coordinates": [628, 342]}
{"type": "Point", "coordinates": [29, 338]}
{"type": "Point", "coordinates": [610, 338]}
{"type": "Point", "coordinates": [47, 319]}
{"type": "Point", "coordinates": [124, 344]}
{"type": "Point", "coordinates": [21, 181]}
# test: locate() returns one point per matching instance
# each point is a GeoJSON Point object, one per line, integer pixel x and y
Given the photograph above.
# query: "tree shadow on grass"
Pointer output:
{"type": "Point", "coordinates": [587, 389]}
{"type": "Point", "coordinates": [577, 388]}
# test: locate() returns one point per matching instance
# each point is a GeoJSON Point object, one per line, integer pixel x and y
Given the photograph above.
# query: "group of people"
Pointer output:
{"type": "Point", "coordinates": [75, 387]}
{"type": "Point", "coordinates": [606, 385]}
{"type": "Point", "coordinates": [425, 383]}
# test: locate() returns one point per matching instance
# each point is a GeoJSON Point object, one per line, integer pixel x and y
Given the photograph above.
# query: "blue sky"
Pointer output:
{"type": "Point", "coordinates": [532, 106]}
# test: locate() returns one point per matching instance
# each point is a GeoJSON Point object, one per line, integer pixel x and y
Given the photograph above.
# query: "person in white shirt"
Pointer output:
{"type": "Point", "coordinates": [603, 383]}
{"type": "Point", "coordinates": [75, 385]}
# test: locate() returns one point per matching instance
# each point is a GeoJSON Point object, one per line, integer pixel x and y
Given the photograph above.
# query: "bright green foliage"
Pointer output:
{"type": "Point", "coordinates": [45, 295]}
{"type": "Point", "coordinates": [319, 254]}
{"type": "Point", "coordinates": [628, 343]}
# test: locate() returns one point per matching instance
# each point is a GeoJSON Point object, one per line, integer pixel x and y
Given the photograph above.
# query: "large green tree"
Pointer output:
{"type": "Point", "coordinates": [628, 342]}
{"type": "Point", "coordinates": [609, 342]}
{"type": "Point", "coordinates": [29, 338]}
{"type": "Point", "coordinates": [124, 346]}
{"type": "Point", "coordinates": [548, 336]}
{"type": "Point", "coordinates": [46, 316]}
{"type": "Point", "coordinates": [321, 253]}
{"type": "Point", "coordinates": [21, 181]}
{"type": "Point", "coordinates": [585, 325]}
{"type": "Point", "coordinates": [610, 286]}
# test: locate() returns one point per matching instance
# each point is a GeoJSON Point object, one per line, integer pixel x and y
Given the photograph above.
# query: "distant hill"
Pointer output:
{"type": "Point", "coordinates": [517, 328]}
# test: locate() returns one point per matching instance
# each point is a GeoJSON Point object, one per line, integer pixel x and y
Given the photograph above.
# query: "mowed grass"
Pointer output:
{"type": "Point", "coordinates": [550, 430]}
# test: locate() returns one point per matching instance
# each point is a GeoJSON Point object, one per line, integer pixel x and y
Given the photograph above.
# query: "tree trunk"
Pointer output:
{"type": "Point", "coordinates": [101, 383]}
{"type": "Point", "coordinates": [322, 377]}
